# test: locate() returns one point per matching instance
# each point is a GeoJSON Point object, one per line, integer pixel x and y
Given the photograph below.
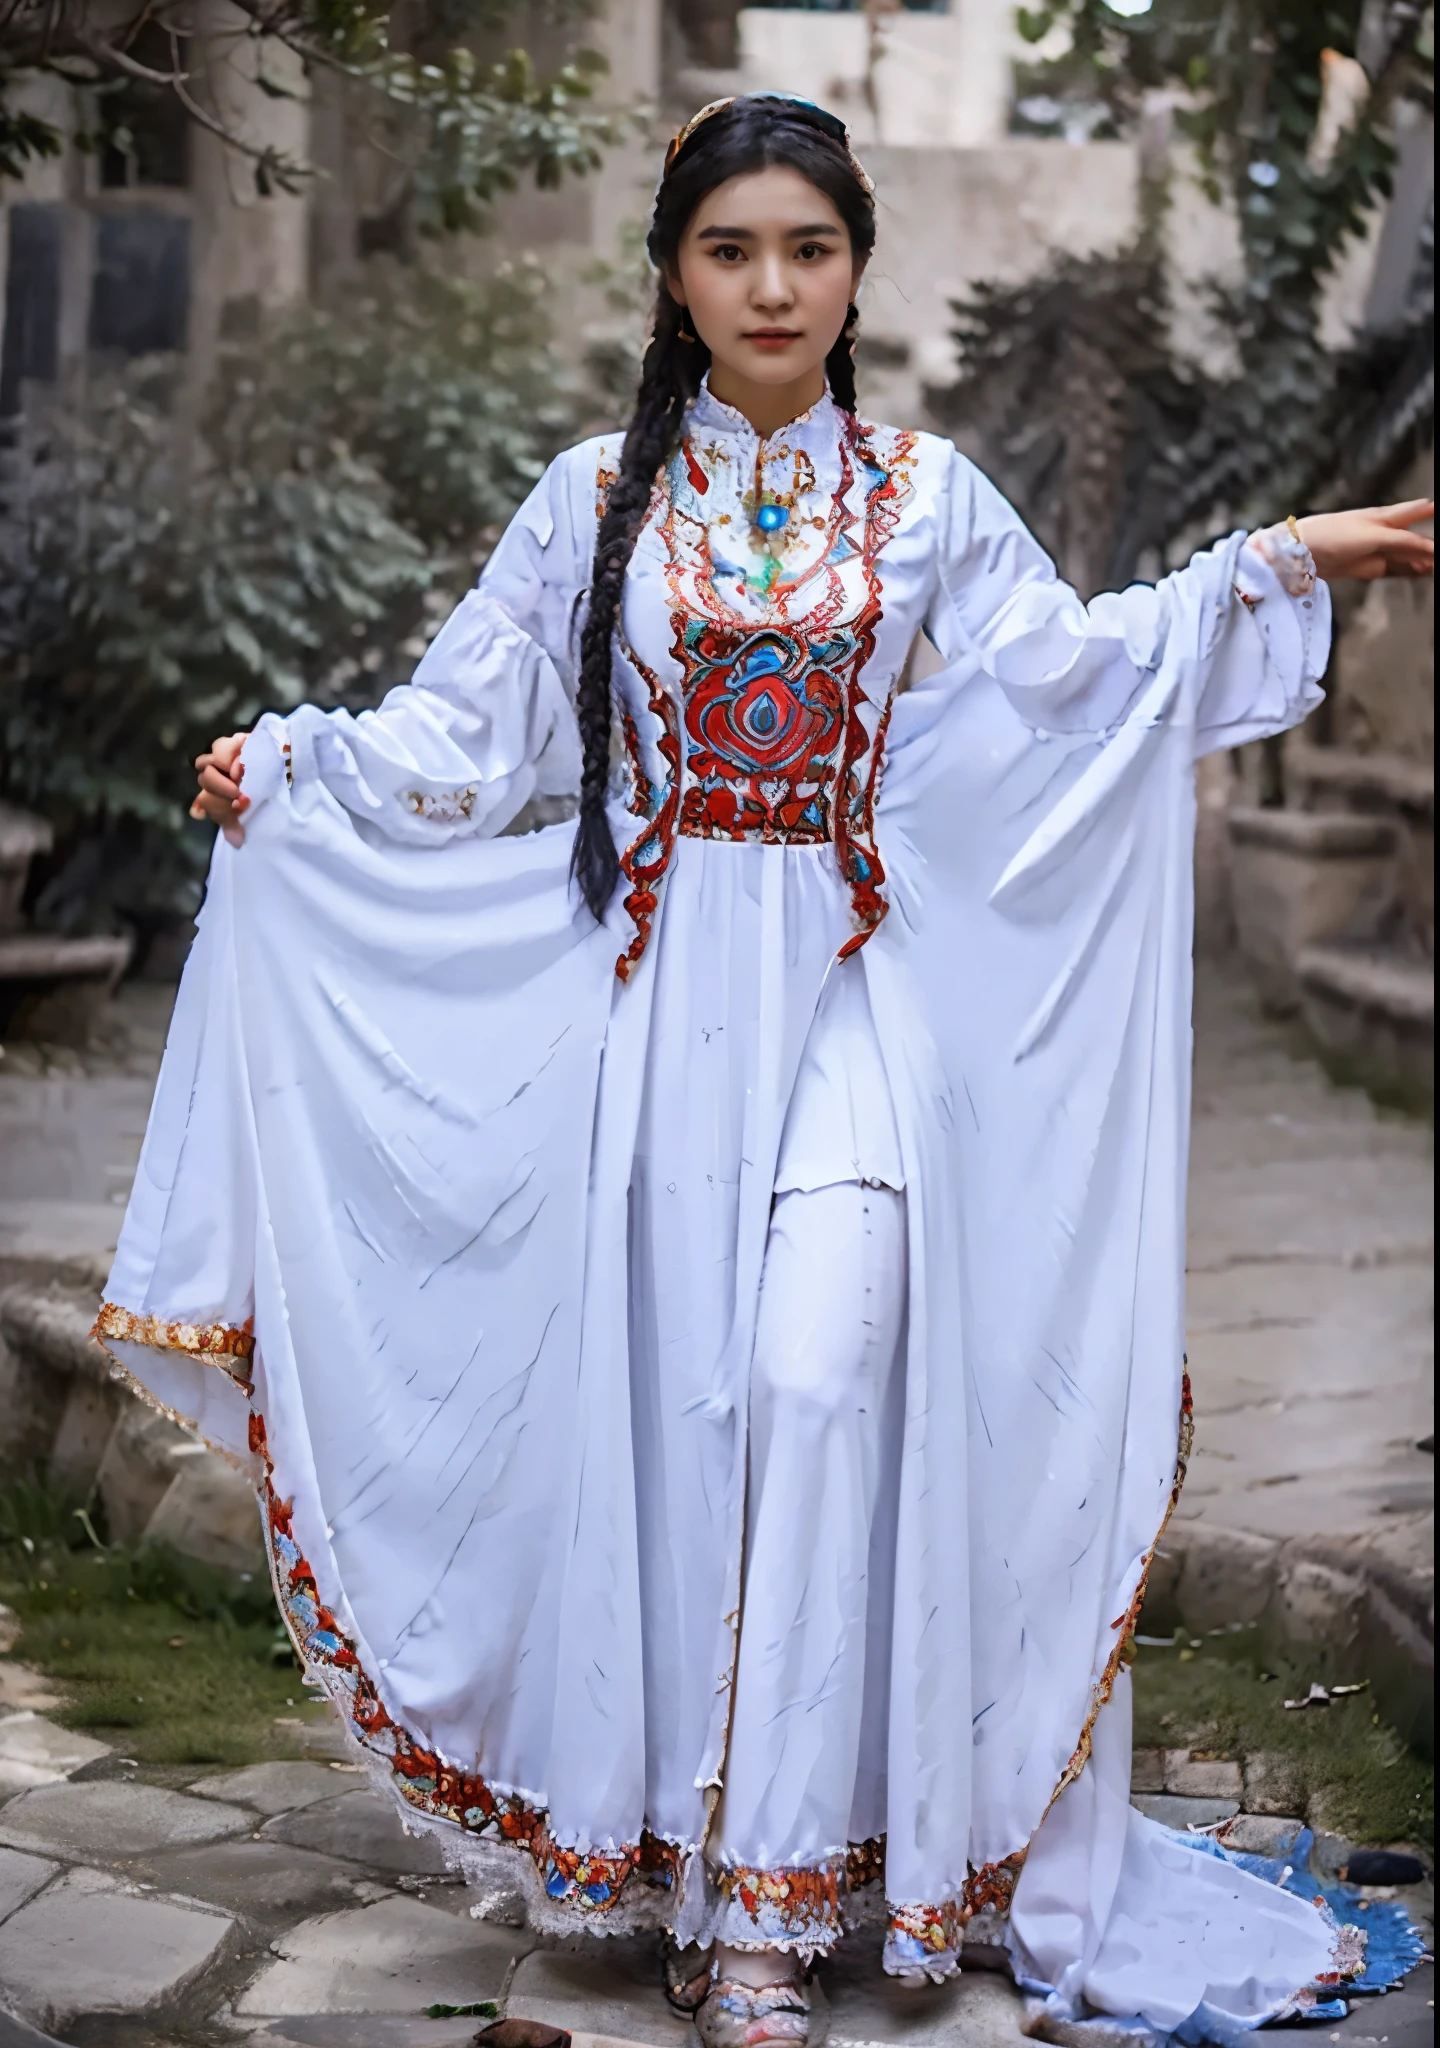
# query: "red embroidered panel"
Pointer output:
{"type": "Point", "coordinates": [765, 718]}
{"type": "Point", "coordinates": [771, 712]}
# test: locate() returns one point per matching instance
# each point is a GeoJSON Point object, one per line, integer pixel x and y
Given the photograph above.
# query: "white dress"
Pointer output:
{"type": "Point", "coordinates": [469, 1198]}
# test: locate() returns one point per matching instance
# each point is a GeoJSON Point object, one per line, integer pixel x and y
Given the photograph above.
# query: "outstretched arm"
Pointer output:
{"type": "Point", "coordinates": [485, 719]}
{"type": "Point", "coordinates": [1380, 541]}
{"type": "Point", "coordinates": [1067, 666]}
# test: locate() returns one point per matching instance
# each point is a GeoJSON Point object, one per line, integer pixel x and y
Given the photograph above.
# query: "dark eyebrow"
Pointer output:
{"type": "Point", "coordinates": [721, 234]}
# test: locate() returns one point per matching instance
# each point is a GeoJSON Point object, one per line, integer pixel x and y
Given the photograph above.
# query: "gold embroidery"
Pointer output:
{"type": "Point", "coordinates": [223, 1344]}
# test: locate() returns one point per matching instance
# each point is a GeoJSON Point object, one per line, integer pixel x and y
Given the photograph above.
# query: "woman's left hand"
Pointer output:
{"type": "Point", "coordinates": [1376, 542]}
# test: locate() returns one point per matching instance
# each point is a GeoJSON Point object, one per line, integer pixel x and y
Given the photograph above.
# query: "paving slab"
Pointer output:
{"type": "Point", "coordinates": [34, 1751]}
{"type": "Point", "coordinates": [108, 1820]}
{"type": "Point", "coordinates": [361, 1826]}
{"type": "Point", "coordinates": [21, 1877]}
{"type": "Point", "coordinates": [1310, 1294]}
{"type": "Point", "coordinates": [364, 2030]}
{"type": "Point", "coordinates": [320, 1736]}
{"type": "Point", "coordinates": [979, 2009]}
{"type": "Point", "coordinates": [90, 1945]}
{"type": "Point", "coordinates": [1174, 1811]}
{"type": "Point", "coordinates": [1200, 1777]}
{"type": "Point", "coordinates": [270, 1788]}
{"type": "Point", "coordinates": [1260, 1834]}
{"type": "Point", "coordinates": [610, 1986]}
{"type": "Point", "coordinates": [22, 1687]}
{"type": "Point", "coordinates": [264, 1881]}
{"type": "Point", "coordinates": [396, 1956]}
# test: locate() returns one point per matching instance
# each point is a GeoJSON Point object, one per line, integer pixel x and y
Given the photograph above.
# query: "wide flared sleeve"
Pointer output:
{"type": "Point", "coordinates": [1073, 668]}
{"type": "Point", "coordinates": [486, 721]}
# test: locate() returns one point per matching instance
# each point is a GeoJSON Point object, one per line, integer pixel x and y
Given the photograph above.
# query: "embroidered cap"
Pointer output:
{"type": "Point", "coordinates": [820, 117]}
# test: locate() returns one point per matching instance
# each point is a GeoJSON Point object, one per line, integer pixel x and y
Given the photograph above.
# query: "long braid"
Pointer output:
{"type": "Point", "coordinates": [840, 364]}
{"type": "Point", "coordinates": [669, 379]}
{"type": "Point", "coordinates": [737, 136]}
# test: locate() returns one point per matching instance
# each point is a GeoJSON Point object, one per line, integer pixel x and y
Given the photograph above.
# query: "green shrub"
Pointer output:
{"type": "Point", "coordinates": [157, 586]}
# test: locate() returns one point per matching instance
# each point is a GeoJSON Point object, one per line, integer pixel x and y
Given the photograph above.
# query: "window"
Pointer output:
{"type": "Point", "coordinates": [144, 130]}
{"type": "Point", "coordinates": [32, 302]}
{"type": "Point", "coordinates": [849, 6]}
{"type": "Point", "coordinates": [140, 293]}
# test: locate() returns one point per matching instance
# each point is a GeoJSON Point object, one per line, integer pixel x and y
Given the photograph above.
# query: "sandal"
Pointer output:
{"type": "Point", "coordinates": [687, 1975]}
{"type": "Point", "coordinates": [752, 2016]}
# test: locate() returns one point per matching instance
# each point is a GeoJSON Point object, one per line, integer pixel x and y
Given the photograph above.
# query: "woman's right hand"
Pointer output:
{"type": "Point", "coordinates": [220, 773]}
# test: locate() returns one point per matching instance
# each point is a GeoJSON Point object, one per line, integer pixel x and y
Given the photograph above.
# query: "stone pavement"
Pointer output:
{"type": "Point", "coordinates": [1311, 1292]}
{"type": "Point", "coordinates": [1309, 1504]}
{"type": "Point", "coordinates": [284, 1904]}
{"type": "Point", "coordinates": [71, 1124]}
{"type": "Point", "coordinates": [148, 1908]}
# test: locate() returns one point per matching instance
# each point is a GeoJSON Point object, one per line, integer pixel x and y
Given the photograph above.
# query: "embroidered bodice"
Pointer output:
{"type": "Point", "coordinates": [776, 589]}
{"type": "Point", "coordinates": [769, 728]}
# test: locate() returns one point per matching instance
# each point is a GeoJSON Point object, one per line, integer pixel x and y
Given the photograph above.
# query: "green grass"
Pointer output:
{"type": "Point", "coordinates": [175, 1663]}
{"type": "Point", "coordinates": [168, 1660]}
{"type": "Point", "coordinates": [1343, 1757]}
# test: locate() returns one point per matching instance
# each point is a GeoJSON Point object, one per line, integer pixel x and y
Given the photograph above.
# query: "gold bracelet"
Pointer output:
{"type": "Point", "coordinates": [1294, 525]}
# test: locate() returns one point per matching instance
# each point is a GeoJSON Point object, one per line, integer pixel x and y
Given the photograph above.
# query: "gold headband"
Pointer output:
{"type": "Point", "coordinates": [679, 140]}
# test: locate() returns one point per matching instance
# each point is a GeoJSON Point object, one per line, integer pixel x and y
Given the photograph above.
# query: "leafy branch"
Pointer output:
{"type": "Point", "coordinates": [460, 128]}
{"type": "Point", "coordinates": [1121, 449]}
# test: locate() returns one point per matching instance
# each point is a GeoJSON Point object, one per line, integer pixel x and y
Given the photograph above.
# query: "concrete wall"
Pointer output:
{"type": "Point", "coordinates": [910, 81]}
{"type": "Point", "coordinates": [949, 217]}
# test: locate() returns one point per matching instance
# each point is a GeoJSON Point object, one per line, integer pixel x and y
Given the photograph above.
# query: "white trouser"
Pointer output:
{"type": "Point", "coordinates": [1111, 1912]}
{"type": "Point", "coordinates": [805, 1767]}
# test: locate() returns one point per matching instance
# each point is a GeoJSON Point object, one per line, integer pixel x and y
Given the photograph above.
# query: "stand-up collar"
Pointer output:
{"type": "Point", "coordinates": [816, 431]}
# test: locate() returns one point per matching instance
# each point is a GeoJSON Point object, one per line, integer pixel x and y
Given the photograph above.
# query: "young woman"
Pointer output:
{"type": "Point", "coordinates": [701, 1287]}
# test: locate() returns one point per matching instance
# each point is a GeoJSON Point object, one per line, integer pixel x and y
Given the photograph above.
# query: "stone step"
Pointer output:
{"type": "Point", "coordinates": [56, 988]}
{"type": "Point", "coordinates": [155, 1478]}
{"type": "Point", "coordinates": [1371, 1011]}
{"type": "Point", "coordinates": [22, 836]}
{"type": "Point", "coordinates": [1305, 877]}
{"type": "Point", "coordinates": [1367, 781]}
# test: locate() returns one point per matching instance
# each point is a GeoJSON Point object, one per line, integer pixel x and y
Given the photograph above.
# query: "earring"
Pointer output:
{"type": "Point", "coordinates": [681, 334]}
{"type": "Point", "coordinates": [852, 321]}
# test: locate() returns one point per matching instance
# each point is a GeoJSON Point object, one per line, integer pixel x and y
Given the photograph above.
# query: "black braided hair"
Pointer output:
{"type": "Point", "coordinates": [749, 134]}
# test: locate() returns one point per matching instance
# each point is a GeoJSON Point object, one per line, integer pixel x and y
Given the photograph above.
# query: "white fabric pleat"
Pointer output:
{"type": "Point", "coordinates": [1116, 1914]}
{"type": "Point", "coordinates": [806, 1768]}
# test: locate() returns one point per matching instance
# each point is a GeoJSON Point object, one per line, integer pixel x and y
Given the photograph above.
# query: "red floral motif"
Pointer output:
{"type": "Point", "coordinates": [925, 1932]}
{"type": "Point", "coordinates": [993, 1885]}
{"type": "Point", "coordinates": [805, 1903]}
{"type": "Point", "coordinates": [644, 861]}
{"type": "Point", "coordinates": [579, 1877]}
{"type": "Point", "coordinates": [764, 721]}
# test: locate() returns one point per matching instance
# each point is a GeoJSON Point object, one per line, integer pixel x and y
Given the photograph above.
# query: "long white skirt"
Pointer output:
{"type": "Point", "coordinates": [1113, 1914]}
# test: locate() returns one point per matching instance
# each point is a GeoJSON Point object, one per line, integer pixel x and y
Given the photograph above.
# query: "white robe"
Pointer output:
{"type": "Point", "coordinates": [474, 1225]}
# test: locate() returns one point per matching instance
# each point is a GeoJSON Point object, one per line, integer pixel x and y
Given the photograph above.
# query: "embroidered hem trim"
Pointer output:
{"type": "Point", "coordinates": [802, 1904]}
{"type": "Point", "coordinates": [589, 1879]}
{"type": "Point", "coordinates": [1123, 1653]}
{"type": "Point", "coordinates": [222, 1344]}
{"type": "Point", "coordinates": [1348, 1950]}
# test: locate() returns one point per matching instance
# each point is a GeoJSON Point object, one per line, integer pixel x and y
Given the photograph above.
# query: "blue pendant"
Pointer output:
{"type": "Point", "coordinates": [770, 518]}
